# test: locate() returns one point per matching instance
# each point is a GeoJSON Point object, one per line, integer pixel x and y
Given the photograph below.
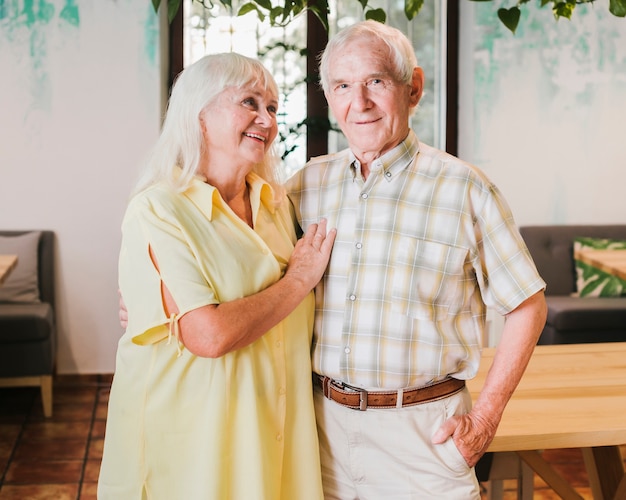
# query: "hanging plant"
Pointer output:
{"type": "Point", "coordinates": [282, 12]}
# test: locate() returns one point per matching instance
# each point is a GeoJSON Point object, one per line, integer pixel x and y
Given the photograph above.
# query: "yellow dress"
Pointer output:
{"type": "Point", "coordinates": [182, 427]}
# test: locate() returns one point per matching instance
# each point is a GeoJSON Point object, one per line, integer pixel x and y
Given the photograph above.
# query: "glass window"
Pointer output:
{"type": "Point", "coordinates": [219, 29]}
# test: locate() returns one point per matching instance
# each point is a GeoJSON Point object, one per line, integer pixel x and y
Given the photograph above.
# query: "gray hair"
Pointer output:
{"type": "Point", "coordinates": [401, 51]}
{"type": "Point", "coordinates": [181, 143]}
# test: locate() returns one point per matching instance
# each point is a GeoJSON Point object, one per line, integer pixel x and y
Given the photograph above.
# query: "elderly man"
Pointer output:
{"type": "Point", "coordinates": [425, 244]}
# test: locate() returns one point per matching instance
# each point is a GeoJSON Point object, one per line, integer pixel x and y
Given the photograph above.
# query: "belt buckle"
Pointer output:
{"type": "Point", "coordinates": [362, 394]}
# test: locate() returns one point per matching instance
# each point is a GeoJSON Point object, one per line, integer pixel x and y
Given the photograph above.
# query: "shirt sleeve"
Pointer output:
{"type": "Point", "coordinates": [149, 225]}
{"type": "Point", "coordinates": [506, 273]}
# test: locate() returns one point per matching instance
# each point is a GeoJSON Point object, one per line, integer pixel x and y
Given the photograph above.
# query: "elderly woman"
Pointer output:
{"type": "Point", "coordinates": [211, 397]}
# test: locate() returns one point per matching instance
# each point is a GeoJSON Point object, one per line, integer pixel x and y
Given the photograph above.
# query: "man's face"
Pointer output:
{"type": "Point", "coordinates": [370, 105]}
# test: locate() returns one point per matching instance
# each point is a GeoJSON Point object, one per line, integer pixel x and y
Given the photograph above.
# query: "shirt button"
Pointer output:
{"type": "Point", "coordinates": [279, 437]}
{"type": "Point", "coordinates": [278, 343]}
{"type": "Point", "coordinates": [364, 195]}
{"type": "Point", "coordinates": [347, 350]}
{"type": "Point", "coordinates": [359, 245]}
{"type": "Point", "coordinates": [352, 297]}
{"type": "Point", "coordinates": [282, 391]}
{"type": "Point", "coordinates": [387, 174]}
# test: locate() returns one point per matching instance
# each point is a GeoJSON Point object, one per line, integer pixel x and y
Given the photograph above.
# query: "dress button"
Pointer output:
{"type": "Point", "coordinates": [278, 343]}
{"type": "Point", "coordinates": [364, 195]}
{"type": "Point", "coordinates": [387, 174]}
{"type": "Point", "coordinates": [347, 350]}
{"type": "Point", "coordinates": [279, 437]}
{"type": "Point", "coordinates": [282, 391]}
{"type": "Point", "coordinates": [352, 297]}
{"type": "Point", "coordinates": [359, 245]}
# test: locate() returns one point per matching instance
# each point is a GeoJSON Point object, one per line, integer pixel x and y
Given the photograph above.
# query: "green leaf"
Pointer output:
{"type": "Point", "coordinates": [599, 283]}
{"type": "Point", "coordinates": [155, 5]}
{"type": "Point", "coordinates": [276, 12]}
{"type": "Point", "coordinates": [172, 9]}
{"type": "Point", "coordinates": [266, 4]}
{"type": "Point", "coordinates": [412, 8]}
{"type": "Point", "coordinates": [297, 8]}
{"type": "Point", "coordinates": [510, 17]}
{"type": "Point", "coordinates": [617, 8]}
{"type": "Point", "coordinates": [247, 7]}
{"type": "Point", "coordinates": [587, 270]}
{"type": "Point", "coordinates": [363, 3]}
{"type": "Point", "coordinates": [589, 289]}
{"type": "Point", "coordinates": [376, 15]}
{"type": "Point", "coordinates": [563, 9]}
{"type": "Point", "coordinates": [612, 288]}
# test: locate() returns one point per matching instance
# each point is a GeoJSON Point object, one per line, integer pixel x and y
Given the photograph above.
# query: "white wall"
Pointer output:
{"type": "Point", "coordinates": [542, 111]}
{"type": "Point", "coordinates": [80, 103]}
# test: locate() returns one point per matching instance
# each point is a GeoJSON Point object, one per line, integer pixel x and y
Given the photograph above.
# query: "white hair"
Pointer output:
{"type": "Point", "coordinates": [181, 143]}
{"type": "Point", "coordinates": [401, 51]}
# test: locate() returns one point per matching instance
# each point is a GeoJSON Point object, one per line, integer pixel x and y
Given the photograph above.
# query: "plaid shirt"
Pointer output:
{"type": "Point", "coordinates": [423, 247]}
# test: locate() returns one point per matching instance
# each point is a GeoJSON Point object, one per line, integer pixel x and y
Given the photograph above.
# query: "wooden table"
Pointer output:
{"type": "Point", "coordinates": [609, 261]}
{"type": "Point", "coordinates": [7, 264]}
{"type": "Point", "coordinates": [571, 396]}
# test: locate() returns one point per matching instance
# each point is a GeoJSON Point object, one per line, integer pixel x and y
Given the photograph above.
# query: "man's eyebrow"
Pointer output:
{"type": "Point", "coordinates": [382, 75]}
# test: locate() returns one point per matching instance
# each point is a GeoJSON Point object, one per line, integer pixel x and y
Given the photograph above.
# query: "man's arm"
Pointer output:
{"type": "Point", "coordinates": [472, 433]}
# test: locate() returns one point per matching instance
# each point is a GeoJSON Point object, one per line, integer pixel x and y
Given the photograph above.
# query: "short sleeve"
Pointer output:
{"type": "Point", "coordinates": [150, 223]}
{"type": "Point", "coordinates": [509, 273]}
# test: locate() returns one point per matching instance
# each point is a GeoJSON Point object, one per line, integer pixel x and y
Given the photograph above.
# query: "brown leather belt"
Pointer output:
{"type": "Point", "coordinates": [360, 399]}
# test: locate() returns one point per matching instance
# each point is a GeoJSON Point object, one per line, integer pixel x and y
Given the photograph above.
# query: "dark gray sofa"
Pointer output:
{"type": "Point", "coordinates": [28, 329]}
{"type": "Point", "coordinates": [573, 320]}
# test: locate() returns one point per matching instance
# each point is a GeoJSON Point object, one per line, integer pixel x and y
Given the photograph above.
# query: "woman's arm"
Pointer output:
{"type": "Point", "coordinates": [214, 330]}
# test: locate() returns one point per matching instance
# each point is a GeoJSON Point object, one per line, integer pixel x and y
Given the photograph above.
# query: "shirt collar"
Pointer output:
{"type": "Point", "coordinates": [394, 161]}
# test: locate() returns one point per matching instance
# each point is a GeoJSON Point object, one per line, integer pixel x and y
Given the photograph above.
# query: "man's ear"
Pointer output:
{"type": "Point", "coordinates": [417, 86]}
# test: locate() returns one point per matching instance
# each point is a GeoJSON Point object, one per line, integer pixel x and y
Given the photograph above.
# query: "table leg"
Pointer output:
{"type": "Point", "coordinates": [606, 471]}
{"type": "Point", "coordinates": [549, 475]}
{"type": "Point", "coordinates": [621, 489]}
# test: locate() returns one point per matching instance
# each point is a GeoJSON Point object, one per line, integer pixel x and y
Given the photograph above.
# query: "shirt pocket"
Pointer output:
{"type": "Point", "coordinates": [428, 279]}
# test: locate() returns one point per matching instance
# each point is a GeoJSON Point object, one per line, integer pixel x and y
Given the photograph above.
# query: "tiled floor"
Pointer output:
{"type": "Point", "coordinates": [59, 458]}
{"type": "Point", "coordinates": [56, 458]}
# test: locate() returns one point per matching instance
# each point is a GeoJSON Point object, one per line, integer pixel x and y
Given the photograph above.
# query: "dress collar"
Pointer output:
{"type": "Point", "coordinates": [206, 197]}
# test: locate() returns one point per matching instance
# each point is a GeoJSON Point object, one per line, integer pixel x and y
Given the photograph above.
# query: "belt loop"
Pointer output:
{"type": "Point", "coordinates": [400, 399]}
{"type": "Point", "coordinates": [362, 399]}
{"type": "Point", "coordinates": [326, 387]}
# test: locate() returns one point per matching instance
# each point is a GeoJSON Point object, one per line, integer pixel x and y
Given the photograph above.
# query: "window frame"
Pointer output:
{"type": "Point", "coordinates": [317, 37]}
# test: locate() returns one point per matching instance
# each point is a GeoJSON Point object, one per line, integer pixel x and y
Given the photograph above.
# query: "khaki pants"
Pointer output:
{"type": "Point", "coordinates": [387, 454]}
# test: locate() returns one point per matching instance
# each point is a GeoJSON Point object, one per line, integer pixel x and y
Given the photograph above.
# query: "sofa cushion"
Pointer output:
{"type": "Point", "coordinates": [592, 281]}
{"type": "Point", "coordinates": [22, 285]}
{"type": "Point", "coordinates": [551, 247]}
{"type": "Point", "coordinates": [25, 322]}
{"type": "Point", "coordinates": [589, 313]}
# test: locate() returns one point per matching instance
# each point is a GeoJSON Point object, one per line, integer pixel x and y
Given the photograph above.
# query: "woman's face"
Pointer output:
{"type": "Point", "coordinates": [239, 126]}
